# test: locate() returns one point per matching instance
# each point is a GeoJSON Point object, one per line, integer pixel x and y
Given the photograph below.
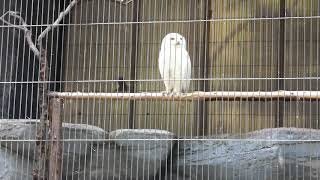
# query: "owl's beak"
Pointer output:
{"type": "Point", "coordinates": [178, 43]}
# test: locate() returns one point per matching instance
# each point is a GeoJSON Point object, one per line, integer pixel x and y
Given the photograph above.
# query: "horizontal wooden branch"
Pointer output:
{"type": "Point", "coordinates": [209, 96]}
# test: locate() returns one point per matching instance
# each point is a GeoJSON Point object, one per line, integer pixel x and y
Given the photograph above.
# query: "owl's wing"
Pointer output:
{"type": "Point", "coordinates": [161, 63]}
{"type": "Point", "coordinates": [186, 65]}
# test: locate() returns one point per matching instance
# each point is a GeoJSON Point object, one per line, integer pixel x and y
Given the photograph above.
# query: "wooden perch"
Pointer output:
{"type": "Point", "coordinates": [209, 96]}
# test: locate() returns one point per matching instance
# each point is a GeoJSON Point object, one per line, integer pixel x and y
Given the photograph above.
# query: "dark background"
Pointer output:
{"type": "Point", "coordinates": [18, 64]}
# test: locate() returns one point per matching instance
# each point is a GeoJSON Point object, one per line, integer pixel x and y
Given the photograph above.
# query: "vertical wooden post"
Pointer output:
{"type": "Point", "coordinates": [134, 53]}
{"type": "Point", "coordinates": [201, 119]}
{"type": "Point", "coordinates": [41, 172]}
{"type": "Point", "coordinates": [280, 84]}
{"type": "Point", "coordinates": [55, 120]}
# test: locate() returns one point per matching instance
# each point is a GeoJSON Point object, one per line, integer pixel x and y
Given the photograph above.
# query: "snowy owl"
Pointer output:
{"type": "Point", "coordinates": [175, 64]}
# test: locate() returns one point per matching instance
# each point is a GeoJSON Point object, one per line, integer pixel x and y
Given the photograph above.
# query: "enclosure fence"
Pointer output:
{"type": "Point", "coordinates": [159, 89]}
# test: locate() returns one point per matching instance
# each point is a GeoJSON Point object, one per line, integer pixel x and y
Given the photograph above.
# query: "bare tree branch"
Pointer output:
{"type": "Point", "coordinates": [24, 27]}
{"type": "Point", "coordinates": [9, 23]}
{"type": "Point", "coordinates": [58, 20]}
{"type": "Point", "coordinates": [41, 169]}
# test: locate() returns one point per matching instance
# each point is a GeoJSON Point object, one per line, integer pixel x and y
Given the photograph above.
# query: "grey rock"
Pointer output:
{"type": "Point", "coordinates": [266, 154]}
{"type": "Point", "coordinates": [130, 154]}
{"type": "Point", "coordinates": [75, 152]}
{"type": "Point", "coordinates": [154, 154]}
{"type": "Point", "coordinates": [148, 149]}
{"type": "Point", "coordinates": [14, 166]}
{"type": "Point", "coordinates": [106, 162]}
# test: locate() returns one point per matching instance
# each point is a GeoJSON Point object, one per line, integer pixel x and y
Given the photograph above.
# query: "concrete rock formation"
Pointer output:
{"type": "Point", "coordinates": [155, 154]}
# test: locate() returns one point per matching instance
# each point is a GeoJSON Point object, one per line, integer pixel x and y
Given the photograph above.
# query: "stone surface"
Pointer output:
{"type": "Point", "coordinates": [131, 154]}
{"type": "Point", "coordinates": [265, 154]}
{"type": "Point", "coordinates": [14, 166]}
{"type": "Point", "coordinates": [155, 154]}
{"type": "Point", "coordinates": [75, 153]}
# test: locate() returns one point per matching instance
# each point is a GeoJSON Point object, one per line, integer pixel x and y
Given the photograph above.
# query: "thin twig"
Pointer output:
{"type": "Point", "coordinates": [8, 23]}
{"type": "Point", "coordinates": [23, 26]}
{"type": "Point", "coordinates": [58, 20]}
{"type": "Point", "coordinates": [41, 170]}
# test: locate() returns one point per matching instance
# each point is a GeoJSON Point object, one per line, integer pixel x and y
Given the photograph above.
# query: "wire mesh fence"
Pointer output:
{"type": "Point", "coordinates": [100, 89]}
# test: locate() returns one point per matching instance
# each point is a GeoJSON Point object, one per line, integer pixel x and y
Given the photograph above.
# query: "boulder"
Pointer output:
{"type": "Point", "coordinates": [79, 140]}
{"type": "Point", "coordinates": [14, 166]}
{"type": "Point", "coordinates": [90, 153]}
{"type": "Point", "coordinates": [130, 154]}
{"type": "Point", "coordinates": [266, 154]}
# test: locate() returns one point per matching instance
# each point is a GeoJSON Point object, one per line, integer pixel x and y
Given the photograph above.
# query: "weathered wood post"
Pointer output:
{"type": "Point", "coordinates": [201, 105]}
{"type": "Point", "coordinates": [136, 10]}
{"type": "Point", "coordinates": [55, 126]}
{"type": "Point", "coordinates": [281, 68]}
{"type": "Point", "coordinates": [42, 145]}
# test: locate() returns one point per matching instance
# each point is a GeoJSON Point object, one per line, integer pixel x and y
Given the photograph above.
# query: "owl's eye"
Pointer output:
{"type": "Point", "coordinates": [171, 38]}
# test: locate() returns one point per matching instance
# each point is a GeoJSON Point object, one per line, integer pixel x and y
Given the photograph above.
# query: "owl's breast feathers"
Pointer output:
{"type": "Point", "coordinates": [175, 66]}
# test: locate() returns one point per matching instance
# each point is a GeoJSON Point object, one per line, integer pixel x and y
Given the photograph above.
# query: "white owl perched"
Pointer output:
{"type": "Point", "coordinates": [175, 64]}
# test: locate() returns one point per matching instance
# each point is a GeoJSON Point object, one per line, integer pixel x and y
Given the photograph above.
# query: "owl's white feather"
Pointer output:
{"type": "Point", "coordinates": [174, 63]}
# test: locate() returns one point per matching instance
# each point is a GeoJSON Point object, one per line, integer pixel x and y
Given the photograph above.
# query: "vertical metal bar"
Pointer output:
{"type": "Point", "coordinates": [280, 85]}
{"type": "Point", "coordinates": [55, 121]}
{"type": "Point", "coordinates": [134, 50]}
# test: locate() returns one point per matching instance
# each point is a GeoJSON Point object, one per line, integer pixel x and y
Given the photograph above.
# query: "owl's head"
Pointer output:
{"type": "Point", "coordinates": [173, 40]}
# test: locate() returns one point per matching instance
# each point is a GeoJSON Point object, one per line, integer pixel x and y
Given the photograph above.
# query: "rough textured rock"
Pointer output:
{"type": "Point", "coordinates": [264, 154]}
{"type": "Point", "coordinates": [14, 166]}
{"type": "Point", "coordinates": [131, 154]}
{"type": "Point", "coordinates": [147, 147]}
{"type": "Point", "coordinates": [284, 153]}
{"type": "Point", "coordinates": [75, 153]}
